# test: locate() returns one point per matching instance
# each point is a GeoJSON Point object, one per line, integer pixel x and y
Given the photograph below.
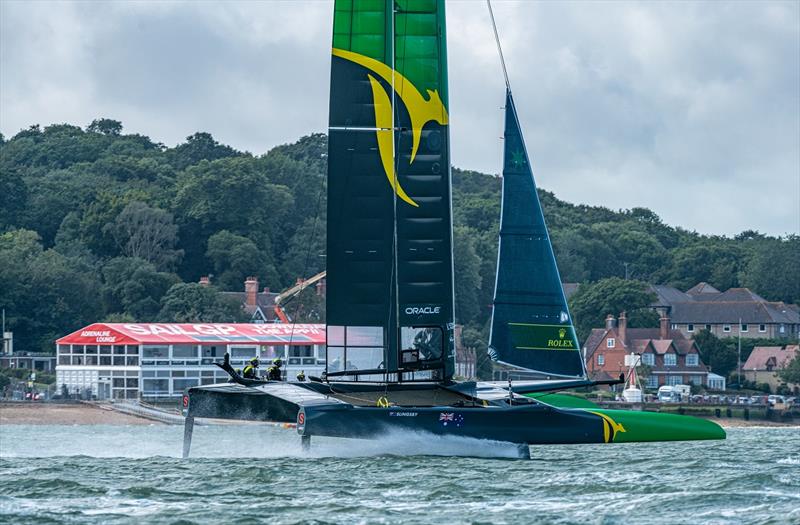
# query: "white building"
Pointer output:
{"type": "Point", "coordinates": [132, 361]}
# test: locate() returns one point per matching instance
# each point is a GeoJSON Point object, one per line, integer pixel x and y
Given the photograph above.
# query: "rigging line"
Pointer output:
{"type": "Point", "coordinates": [497, 41]}
{"type": "Point", "coordinates": [312, 237]}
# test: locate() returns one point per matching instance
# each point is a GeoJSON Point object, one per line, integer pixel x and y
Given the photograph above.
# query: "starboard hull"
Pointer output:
{"type": "Point", "coordinates": [536, 424]}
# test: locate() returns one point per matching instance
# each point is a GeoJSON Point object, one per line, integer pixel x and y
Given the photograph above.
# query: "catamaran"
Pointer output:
{"type": "Point", "coordinates": [390, 311]}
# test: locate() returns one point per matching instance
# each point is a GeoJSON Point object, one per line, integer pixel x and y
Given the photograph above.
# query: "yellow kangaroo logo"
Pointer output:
{"type": "Point", "coordinates": [420, 110]}
{"type": "Point", "coordinates": [610, 427]}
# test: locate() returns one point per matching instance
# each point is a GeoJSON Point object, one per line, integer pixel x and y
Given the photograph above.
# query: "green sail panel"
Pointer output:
{"type": "Point", "coordinates": [389, 252]}
{"type": "Point", "coordinates": [531, 326]}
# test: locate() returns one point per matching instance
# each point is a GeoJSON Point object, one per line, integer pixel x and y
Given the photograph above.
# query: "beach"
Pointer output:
{"type": "Point", "coordinates": [65, 414]}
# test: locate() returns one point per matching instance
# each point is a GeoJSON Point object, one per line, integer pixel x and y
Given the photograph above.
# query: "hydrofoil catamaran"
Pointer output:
{"type": "Point", "coordinates": [390, 310]}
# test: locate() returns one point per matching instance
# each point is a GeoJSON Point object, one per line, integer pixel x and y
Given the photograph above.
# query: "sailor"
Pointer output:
{"type": "Point", "coordinates": [274, 372]}
{"type": "Point", "coordinates": [251, 370]}
{"type": "Point", "coordinates": [301, 376]}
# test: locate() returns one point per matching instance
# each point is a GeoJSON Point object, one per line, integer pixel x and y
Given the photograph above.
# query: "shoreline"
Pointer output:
{"type": "Point", "coordinates": [22, 413]}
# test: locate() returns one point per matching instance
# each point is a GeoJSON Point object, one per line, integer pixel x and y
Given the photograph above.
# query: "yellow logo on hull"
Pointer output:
{"type": "Point", "coordinates": [610, 427]}
{"type": "Point", "coordinates": [420, 110]}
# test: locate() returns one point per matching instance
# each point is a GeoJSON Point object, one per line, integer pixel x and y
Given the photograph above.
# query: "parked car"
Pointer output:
{"type": "Point", "coordinates": [742, 400]}
{"type": "Point", "coordinates": [758, 400]}
{"type": "Point", "coordinates": [776, 400]}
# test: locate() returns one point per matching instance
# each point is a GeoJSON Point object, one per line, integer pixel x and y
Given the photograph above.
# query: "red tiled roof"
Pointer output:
{"type": "Point", "coordinates": [780, 356]}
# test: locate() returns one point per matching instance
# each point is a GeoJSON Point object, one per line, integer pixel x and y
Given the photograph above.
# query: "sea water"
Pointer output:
{"type": "Point", "coordinates": [259, 474]}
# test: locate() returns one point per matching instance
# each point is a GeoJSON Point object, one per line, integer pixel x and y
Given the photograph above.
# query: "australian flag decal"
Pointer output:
{"type": "Point", "coordinates": [450, 418]}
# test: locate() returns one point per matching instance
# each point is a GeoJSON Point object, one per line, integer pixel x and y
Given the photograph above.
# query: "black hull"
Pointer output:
{"type": "Point", "coordinates": [534, 424]}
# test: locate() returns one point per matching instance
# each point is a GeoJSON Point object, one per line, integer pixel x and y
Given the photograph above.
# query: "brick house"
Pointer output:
{"type": "Point", "coordinates": [765, 361]}
{"type": "Point", "coordinates": [703, 307]}
{"type": "Point", "coordinates": [671, 358]}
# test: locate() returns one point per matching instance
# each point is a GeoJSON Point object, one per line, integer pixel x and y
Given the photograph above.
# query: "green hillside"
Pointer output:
{"type": "Point", "coordinates": [96, 224]}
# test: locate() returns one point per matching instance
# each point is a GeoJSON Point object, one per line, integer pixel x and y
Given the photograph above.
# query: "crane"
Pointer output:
{"type": "Point", "coordinates": [301, 285]}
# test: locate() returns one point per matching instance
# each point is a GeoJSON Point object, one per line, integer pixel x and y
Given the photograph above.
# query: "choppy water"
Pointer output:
{"type": "Point", "coordinates": [255, 474]}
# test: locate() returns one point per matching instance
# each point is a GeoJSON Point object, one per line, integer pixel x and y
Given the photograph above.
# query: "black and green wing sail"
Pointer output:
{"type": "Point", "coordinates": [531, 325]}
{"type": "Point", "coordinates": [389, 254]}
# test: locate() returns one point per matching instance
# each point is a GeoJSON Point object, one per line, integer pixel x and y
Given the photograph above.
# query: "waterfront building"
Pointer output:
{"type": "Point", "coordinates": [764, 363]}
{"type": "Point", "coordinates": [157, 360]}
{"type": "Point", "coordinates": [732, 313]}
{"type": "Point", "coordinates": [669, 356]}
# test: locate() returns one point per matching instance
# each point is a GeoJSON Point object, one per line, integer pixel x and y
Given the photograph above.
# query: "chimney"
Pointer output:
{"type": "Point", "coordinates": [663, 332]}
{"type": "Point", "coordinates": [322, 288]}
{"type": "Point", "coordinates": [610, 322]}
{"type": "Point", "coordinates": [205, 280]}
{"type": "Point", "coordinates": [251, 290]}
{"type": "Point", "coordinates": [266, 289]}
{"type": "Point", "coordinates": [623, 328]}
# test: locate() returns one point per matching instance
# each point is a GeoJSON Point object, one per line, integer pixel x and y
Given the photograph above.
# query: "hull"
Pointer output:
{"type": "Point", "coordinates": [324, 410]}
{"type": "Point", "coordinates": [534, 424]}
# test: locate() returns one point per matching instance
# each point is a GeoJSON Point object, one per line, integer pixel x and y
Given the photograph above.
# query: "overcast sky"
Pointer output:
{"type": "Point", "coordinates": [689, 109]}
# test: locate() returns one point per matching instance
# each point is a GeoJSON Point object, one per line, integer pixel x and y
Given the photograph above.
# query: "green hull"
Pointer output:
{"type": "Point", "coordinates": [633, 426]}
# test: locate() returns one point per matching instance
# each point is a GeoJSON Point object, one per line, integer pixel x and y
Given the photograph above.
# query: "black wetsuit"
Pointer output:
{"type": "Point", "coordinates": [274, 373]}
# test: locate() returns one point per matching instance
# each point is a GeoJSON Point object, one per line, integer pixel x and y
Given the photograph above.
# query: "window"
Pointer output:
{"type": "Point", "coordinates": [783, 328]}
{"type": "Point", "coordinates": [762, 328]}
{"type": "Point", "coordinates": [601, 359]}
{"type": "Point", "coordinates": [652, 381]}
{"type": "Point", "coordinates": [670, 359]}
{"type": "Point", "coordinates": [419, 343]}
{"type": "Point", "coordinates": [154, 351]}
{"type": "Point", "coordinates": [674, 326]}
{"type": "Point", "coordinates": [692, 360]}
{"type": "Point", "coordinates": [708, 327]}
{"type": "Point", "coordinates": [184, 351]}
{"type": "Point", "coordinates": [674, 380]}
{"type": "Point", "coordinates": [179, 385]}
{"type": "Point", "coordinates": [743, 327]}
{"type": "Point", "coordinates": [648, 359]}
{"type": "Point", "coordinates": [155, 386]}
{"type": "Point", "coordinates": [696, 380]}
{"type": "Point", "coordinates": [690, 327]}
{"type": "Point", "coordinates": [243, 352]}
{"type": "Point", "coordinates": [301, 351]}
{"type": "Point", "coordinates": [610, 342]}
{"type": "Point", "coordinates": [726, 328]}
{"type": "Point", "coordinates": [353, 348]}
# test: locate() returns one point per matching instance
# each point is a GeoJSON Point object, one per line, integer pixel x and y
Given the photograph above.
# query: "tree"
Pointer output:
{"type": "Point", "coordinates": [592, 302]}
{"type": "Point", "coordinates": [467, 277]}
{"type": "Point", "coordinates": [791, 372]}
{"type": "Point", "coordinates": [195, 303]}
{"type": "Point", "coordinates": [147, 233]}
{"type": "Point", "coordinates": [228, 194]}
{"type": "Point", "coordinates": [105, 126]}
{"type": "Point", "coordinates": [45, 293]}
{"type": "Point", "coordinates": [235, 258]}
{"type": "Point", "coordinates": [198, 147]}
{"type": "Point", "coordinates": [714, 261]}
{"type": "Point", "coordinates": [760, 274]}
{"type": "Point", "coordinates": [134, 287]}
{"type": "Point", "coordinates": [722, 358]}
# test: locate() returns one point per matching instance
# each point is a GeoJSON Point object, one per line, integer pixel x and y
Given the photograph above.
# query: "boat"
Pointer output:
{"type": "Point", "coordinates": [390, 356]}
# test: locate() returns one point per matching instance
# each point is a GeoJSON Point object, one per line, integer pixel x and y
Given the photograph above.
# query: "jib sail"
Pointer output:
{"type": "Point", "coordinates": [389, 255]}
{"type": "Point", "coordinates": [531, 325]}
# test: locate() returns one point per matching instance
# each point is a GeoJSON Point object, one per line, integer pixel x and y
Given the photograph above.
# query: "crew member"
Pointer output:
{"type": "Point", "coordinates": [301, 376]}
{"type": "Point", "coordinates": [274, 372]}
{"type": "Point", "coordinates": [251, 370]}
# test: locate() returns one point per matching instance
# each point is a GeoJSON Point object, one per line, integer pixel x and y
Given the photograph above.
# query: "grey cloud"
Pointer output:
{"type": "Point", "coordinates": [690, 109]}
